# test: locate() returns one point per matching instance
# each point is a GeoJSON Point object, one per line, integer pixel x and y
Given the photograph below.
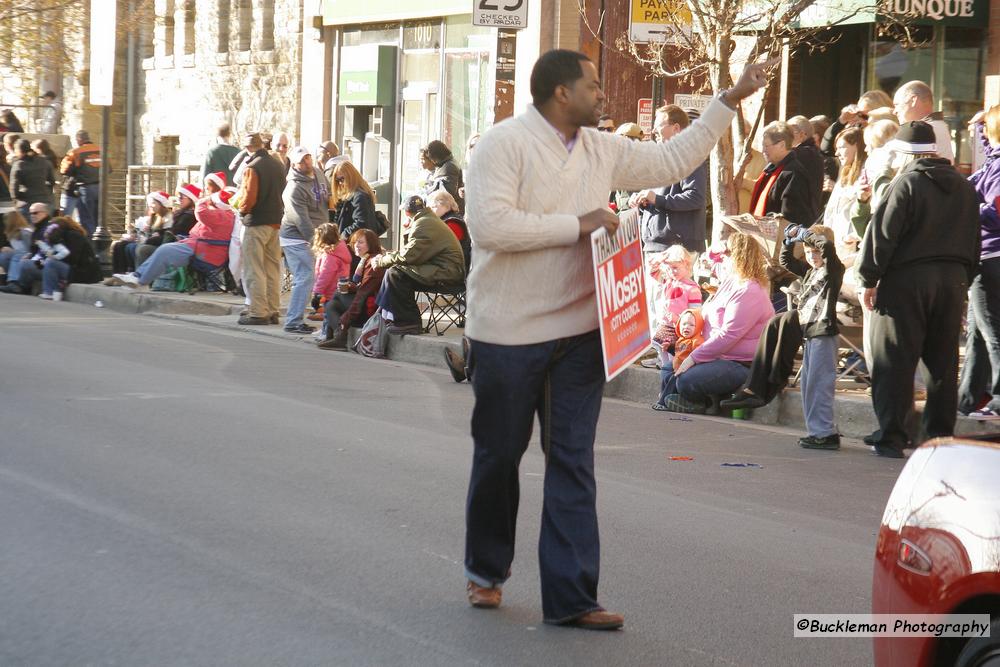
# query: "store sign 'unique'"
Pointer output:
{"type": "Point", "coordinates": [933, 9]}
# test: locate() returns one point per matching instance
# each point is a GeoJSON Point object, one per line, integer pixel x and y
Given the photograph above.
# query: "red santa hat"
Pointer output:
{"type": "Point", "coordinates": [218, 177]}
{"type": "Point", "coordinates": [221, 199]}
{"type": "Point", "coordinates": [192, 192]}
{"type": "Point", "coordinates": [161, 198]}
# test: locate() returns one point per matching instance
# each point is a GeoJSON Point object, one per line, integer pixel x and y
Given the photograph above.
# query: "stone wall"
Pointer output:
{"type": "Point", "coordinates": [188, 93]}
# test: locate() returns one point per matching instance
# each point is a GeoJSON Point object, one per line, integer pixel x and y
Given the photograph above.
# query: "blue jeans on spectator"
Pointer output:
{"type": "Point", "coordinates": [300, 262]}
{"type": "Point", "coordinates": [562, 382]}
{"type": "Point", "coordinates": [11, 263]}
{"type": "Point", "coordinates": [29, 273]}
{"type": "Point", "coordinates": [713, 378]}
{"type": "Point", "coordinates": [55, 273]}
{"type": "Point", "coordinates": [68, 204]}
{"type": "Point", "coordinates": [818, 382]}
{"type": "Point", "coordinates": [668, 382]}
{"type": "Point", "coordinates": [89, 198]}
{"type": "Point", "coordinates": [165, 257]}
{"type": "Point", "coordinates": [981, 371]}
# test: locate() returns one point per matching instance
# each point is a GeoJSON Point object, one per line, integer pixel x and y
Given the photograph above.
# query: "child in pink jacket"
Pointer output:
{"type": "Point", "coordinates": [333, 262]}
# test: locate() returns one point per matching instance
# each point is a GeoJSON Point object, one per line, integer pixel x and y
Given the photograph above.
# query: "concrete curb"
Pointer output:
{"type": "Point", "coordinates": [853, 413]}
{"type": "Point", "coordinates": [124, 300]}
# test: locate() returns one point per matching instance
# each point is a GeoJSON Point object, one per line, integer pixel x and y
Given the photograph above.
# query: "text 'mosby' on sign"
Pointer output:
{"type": "Point", "coordinates": [621, 295]}
{"type": "Point", "coordinates": [509, 14]}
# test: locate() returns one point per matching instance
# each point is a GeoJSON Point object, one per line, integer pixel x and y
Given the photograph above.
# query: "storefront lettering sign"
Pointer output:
{"type": "Point", "coordinates": [933, 9]}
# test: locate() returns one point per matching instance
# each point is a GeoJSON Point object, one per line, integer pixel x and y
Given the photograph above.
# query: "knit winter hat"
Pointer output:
{"type": "Point", "coordinates": [218, 177]}
{"type": "Point", "coordinates": [221, 199]}
{"type": "Point", "coordinates": [161, 198]}
{"type": "Point", "coordinates": [914, 137]}
{"type": "Point", "coordinates": [192, 192]}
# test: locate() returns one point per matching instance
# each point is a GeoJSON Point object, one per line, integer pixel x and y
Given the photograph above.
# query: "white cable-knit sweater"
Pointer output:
{"type": "Point", "coordinates": [532, 276]}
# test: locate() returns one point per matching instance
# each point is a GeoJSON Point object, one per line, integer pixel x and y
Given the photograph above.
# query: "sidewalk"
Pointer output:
{"type": "Point", "coordinates": [854, 414]}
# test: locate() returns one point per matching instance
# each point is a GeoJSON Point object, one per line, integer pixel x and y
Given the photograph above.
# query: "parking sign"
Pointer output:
{"type": "Point", "coordinates": [508, 14]}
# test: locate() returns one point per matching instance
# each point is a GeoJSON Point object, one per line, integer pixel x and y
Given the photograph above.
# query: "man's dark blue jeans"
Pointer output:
{"type": "Point", "coordinates": [561, 381]}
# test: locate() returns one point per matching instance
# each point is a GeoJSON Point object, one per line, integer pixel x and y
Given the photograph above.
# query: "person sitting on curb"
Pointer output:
{"type": "Point", "coordinates": [352, 307]}
{"type": "Point", "coordinates": [39, 214]}
{"type": "Point", "coordinates": [215, 225]}
{"type": "Point", "coordinates": [431, 258]}
{"type": "Point", "coordinates": [734, 318]}
{"type": "Point", "coordinates": [158, 215]}
{"type": "Point", "coordinates": [17, 231]}
{"type": "Point", "coordinates": [66, 257]}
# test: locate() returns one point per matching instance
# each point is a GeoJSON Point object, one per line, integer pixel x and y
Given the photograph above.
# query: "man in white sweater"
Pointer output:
{"type": "Point", "coordinates": [536, 188]}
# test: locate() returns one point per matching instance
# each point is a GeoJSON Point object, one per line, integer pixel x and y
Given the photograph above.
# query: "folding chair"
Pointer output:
{"type": "Point", "coordinates": [446, 309]}
{"type": "Point", "coordinates": [209, 277]}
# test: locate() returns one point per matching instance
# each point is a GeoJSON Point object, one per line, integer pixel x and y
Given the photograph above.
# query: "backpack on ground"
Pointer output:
{"type": "Point", "coordinates": [374, 337]}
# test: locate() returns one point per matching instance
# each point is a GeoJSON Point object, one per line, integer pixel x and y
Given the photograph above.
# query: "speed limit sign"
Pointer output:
{"type": "Point", "coordinates": [509, 14]}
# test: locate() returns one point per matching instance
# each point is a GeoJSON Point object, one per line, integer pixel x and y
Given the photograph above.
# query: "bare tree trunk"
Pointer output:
{"type": "Point", "coordinates": [724, 201]}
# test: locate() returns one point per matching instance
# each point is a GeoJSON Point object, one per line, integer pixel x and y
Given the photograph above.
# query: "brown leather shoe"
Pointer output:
{"type": "Point", "coordinates": [483, 598]}
{"type": "Point", "coordinates": [598, 620]}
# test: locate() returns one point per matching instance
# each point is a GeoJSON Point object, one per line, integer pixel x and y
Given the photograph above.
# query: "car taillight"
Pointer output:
{"type": "Point", "coordinates": [913, 558]}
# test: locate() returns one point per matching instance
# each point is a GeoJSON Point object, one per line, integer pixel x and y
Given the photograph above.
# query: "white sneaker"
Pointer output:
{"type": "Point", "coordinates": [984, 414]}
{"type": "Point", "coordinates": [47, 297]}
{"type": "Point", "coordinates": [130, 279]}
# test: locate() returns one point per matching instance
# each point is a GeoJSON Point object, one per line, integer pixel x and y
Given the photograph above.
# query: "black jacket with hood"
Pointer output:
{"type": "Point", "coordinates": [930, 213]}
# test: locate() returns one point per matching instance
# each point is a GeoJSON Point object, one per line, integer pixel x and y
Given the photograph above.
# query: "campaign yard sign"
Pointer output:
{"type": "Point", "coordinates": [621, 295]}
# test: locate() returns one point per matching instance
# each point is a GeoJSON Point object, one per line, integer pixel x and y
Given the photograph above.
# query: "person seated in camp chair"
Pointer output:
{"type": "Point", "coordinates": [208, 242]}
{"type": "Point", "coordinates": [431, 258]}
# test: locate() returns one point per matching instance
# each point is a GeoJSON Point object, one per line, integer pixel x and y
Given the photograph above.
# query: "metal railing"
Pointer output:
{"type": "Point", "coordinates": [142, 179]}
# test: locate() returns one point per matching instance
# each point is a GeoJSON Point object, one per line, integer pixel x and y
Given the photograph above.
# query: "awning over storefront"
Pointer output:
{"type": "Point", "coordinates": [969, 13]}
{"type": "Point", "coordinates": [345, 12]}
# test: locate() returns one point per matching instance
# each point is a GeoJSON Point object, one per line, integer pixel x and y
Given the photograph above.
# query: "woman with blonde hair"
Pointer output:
{"type": "Point", "coordinates": [734, 319]}
{"type": "Point", "coordinates": [356, 199]}
{"type": "Point", "coordinates": [850, 150]}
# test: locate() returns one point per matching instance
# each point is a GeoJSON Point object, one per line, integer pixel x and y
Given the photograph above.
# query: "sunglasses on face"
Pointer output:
{"type": "Point", "coordinates": [605, 129]}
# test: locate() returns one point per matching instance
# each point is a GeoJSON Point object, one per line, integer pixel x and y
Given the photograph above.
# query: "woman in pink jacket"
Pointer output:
{"type": "Point", "coordinates": [208, 242]}
{"type": "Point", "coordinates": [734, 318]}
{"type": "Point", "coordinates": [333, 262]}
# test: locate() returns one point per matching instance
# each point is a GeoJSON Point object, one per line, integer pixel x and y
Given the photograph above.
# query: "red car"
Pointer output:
{"type": "Point", "coordinates": [938, 551]}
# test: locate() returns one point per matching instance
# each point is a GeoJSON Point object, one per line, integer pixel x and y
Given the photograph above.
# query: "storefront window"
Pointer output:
{"type": "Point", "coordinates": [959, 94]}
{"type": "Point", "coordinates": [466, 99]}
{"type": "Point", "coordinates": [891, 65]}
{"type": "Point", "coordinates": [469, 82]}
{"type": "Point", "coordinates": [421, 81]}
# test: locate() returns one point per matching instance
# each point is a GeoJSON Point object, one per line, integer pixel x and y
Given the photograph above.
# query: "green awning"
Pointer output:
{"type": "Point", "coordinates": [345, 12]}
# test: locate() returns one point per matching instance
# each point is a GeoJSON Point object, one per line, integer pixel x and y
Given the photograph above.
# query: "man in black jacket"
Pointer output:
{"type": "Point", "coordinates": [811, 159]}
{"type": "Point", "coordinates": [261, 208]}
{"type": "Point", "coordinates": [918, 257]}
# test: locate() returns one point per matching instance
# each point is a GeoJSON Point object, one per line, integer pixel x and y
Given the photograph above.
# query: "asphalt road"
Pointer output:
{"type": "Point", "coordinates": [182, 495]}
